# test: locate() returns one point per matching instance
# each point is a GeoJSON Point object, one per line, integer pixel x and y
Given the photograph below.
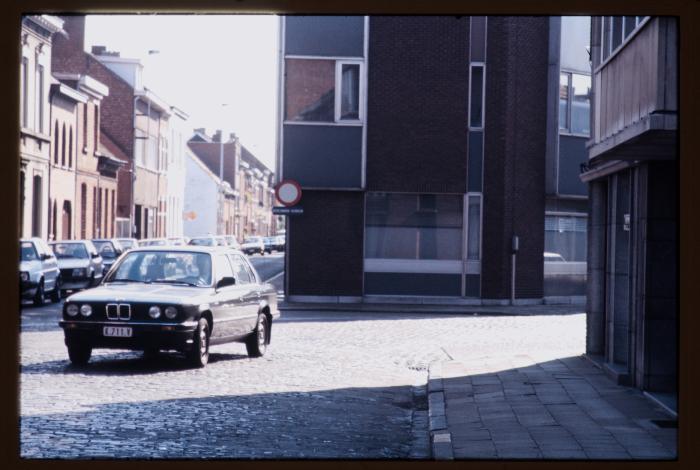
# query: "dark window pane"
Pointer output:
{"type": "Point", "coordinates": [565, 237]}
{"type": "Point", "coordinates": [580, 105]}
{"type": "Point", "coordinates": [410, 226]}
{"type": "Point", "coordinates": [476, 98]}
{"type": "Point", "coordinates": [564, 101]}
{"type": "Point", "coordinates": [616, 31]}
{"type": "Point", "coordinates": [630, 23]}
{"type": "Point", "coordinates": [310, 90]}
{"type": "Point", "coordinates": [474, 229]}
{"type": "Point", "coordinates": [350, 92]}
{"type": "Point", "coordinates": [605, 46]}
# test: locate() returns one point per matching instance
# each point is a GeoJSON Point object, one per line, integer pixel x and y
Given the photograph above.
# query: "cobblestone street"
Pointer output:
{"type": "Point", "coordinates": [332, 385]}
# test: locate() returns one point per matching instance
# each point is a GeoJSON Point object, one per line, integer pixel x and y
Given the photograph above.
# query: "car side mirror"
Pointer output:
{"type": "Point", "coordinates": [45, 256]}
{"type": "Point", "coordinates": [225, 282]}
{"type": "Point", "coordinates": [95, 255]}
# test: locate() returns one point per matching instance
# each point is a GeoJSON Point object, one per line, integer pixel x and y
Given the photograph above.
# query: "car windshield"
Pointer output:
{"type": "Point", "coordinates": [252, 240]}
{"type": "Point", "coordinates": [106, 249]}
{"type": "Point", "coordinates": [28, 251]}
{"type": "Point", "coordinates": [70, 250]}
{"type": "Point", "coordinates": [163, 266]}
{"type": "Point", "coordinates": [202, 242]}
{"type": "Point", "coordinates": [152, 243]}
{"type": "Point", "coordinates": [127, 244]}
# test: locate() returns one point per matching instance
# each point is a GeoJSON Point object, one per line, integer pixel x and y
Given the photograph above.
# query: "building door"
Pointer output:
{"type": "Point", "coordinates": [21, 203]}
{"type": "Point", "coordinates": [618, 273]}
{"type": "Point", "coordinates": [36, 206]}
{"type": "Point", "coordinates": [138, 221]}
{"type": "Point", "coordinates": [67, 217]}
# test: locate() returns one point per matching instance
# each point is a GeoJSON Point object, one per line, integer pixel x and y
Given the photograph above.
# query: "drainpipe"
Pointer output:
{"type": "Point", "coordinates": [514, 251]}
{"type": "Point", "coordinates": [132, 212]}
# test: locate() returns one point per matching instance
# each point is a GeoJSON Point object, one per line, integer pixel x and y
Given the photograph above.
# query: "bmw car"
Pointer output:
{"type": "Point", "coordinates": [172, 298]}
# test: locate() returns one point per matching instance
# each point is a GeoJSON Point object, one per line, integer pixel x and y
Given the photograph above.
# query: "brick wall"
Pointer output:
{"type": "Point", "coordinates": [515, 119]}
{"type": "Point", "coordinates": [417, 103]}
{"type": "Point", "coordinates": [325, 244]}
{"type": "Point", "coordinates": [116, 112]}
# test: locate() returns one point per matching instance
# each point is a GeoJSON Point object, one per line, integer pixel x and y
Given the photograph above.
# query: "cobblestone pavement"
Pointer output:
{"type": "Point", "coordinates": [332, 385]}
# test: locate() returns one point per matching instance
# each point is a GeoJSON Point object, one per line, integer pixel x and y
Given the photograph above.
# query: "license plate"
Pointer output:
{"type": "Point", "coordinates": [117, 331]}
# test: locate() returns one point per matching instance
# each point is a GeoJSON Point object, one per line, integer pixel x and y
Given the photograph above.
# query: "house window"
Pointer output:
{"type": "Point", "coordinates": [57, 137]}
{"type": "Point", "coordinates": [63, 146]}
{"type": "Point", "coordinates": [97, 126]}
{"type": "Point", "coordinates": [323, 90]}
{"type": "Point", "coordinates": [40, 98]}
{"type": "Point", "coordinates": [70, 147]}
{"type": "Point", "coordinates": [83, 210]}
{"type": "Point", "coordinates": [139, 145]}
{"type": "Point", "coordinates": [615, 30]}
{"type": "Point", "coordinates": [574, 103]}
{"type": "Point", "coordinates": [476, 97]}
{"type": "Point", "coordinates": [24, 84]}
{"type": "Point", "coordinates": [413, 226]}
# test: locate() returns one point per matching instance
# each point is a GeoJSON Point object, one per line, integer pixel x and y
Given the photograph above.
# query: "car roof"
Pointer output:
{"type": "Point", "coordinates": [69, 241]}
{"type": "Point", "coordinates": [188, 249]}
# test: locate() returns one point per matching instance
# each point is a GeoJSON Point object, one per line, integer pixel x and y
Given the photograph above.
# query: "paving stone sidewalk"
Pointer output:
{"type": "Point", "coordinates": [518, 408]}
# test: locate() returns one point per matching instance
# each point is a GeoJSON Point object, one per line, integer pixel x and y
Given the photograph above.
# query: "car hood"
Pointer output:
{"type": "Point", "coordinates": [139, 292]}
{"type": "Point", "coordinates": [72, 263]}
{"type": "Point", "coordinates": [30, 266]}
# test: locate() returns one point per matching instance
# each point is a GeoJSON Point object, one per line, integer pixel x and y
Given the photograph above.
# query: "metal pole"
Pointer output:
{"type": "Point", "coordinates": [512, 280]}
{"type": "Point", "coordinates": [219, 225]}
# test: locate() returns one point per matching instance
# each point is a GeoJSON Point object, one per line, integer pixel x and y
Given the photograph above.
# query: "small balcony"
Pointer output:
{"type": "Point", "coordinates": [635, 92]}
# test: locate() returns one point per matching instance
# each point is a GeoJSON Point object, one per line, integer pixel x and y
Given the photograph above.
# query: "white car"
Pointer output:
{"type": "Point", "coordinates": [253, 245]}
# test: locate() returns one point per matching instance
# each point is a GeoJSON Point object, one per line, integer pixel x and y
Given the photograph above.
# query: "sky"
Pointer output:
{"type": "Point", "coordinates": [205, 61]}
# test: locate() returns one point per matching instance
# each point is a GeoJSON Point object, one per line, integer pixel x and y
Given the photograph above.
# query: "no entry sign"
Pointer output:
{"type": "Point", "coordinates": [288, 192]}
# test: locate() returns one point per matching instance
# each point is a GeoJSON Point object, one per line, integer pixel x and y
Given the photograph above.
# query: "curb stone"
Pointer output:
{"type": "Point", "coordinates": [440, 437]}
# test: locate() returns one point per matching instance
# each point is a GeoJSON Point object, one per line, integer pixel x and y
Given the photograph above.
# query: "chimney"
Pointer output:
{"type": "Point", "coordinates": [98, 50]}
{"type": "Point", "coordinates": [232, 137]}
{"type": "Point", "coordinates": [65, 50]}
{"type": "Point", "coordinates": [217, 136]}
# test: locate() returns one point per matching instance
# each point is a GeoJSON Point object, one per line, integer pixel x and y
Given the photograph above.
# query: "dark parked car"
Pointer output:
{"type": "Point", "coordinates": [80, 264]}
{"type": "Point", "coordinates": [128, 243]}
{"type": "Point", "coordinates": [172, 298]}
{"type": "Point", "coordinates": [38, 271]}
{"type": "Point", "coordinates": [269, 243]}
{"type": "Point", "coordinates": [205, 240]}
{"type": "Point", "coordinates": [280, 243]}
{"type": "Point", "coordinates": [110, 249]}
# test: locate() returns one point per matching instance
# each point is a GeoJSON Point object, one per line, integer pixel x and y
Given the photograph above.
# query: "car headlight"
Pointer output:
{"type": "Point", "coordinates": [86, 310]}
{"type": "Point", "coordinates": [154, 312]}
{"type": "Point", "coordinates": [170, 312]}
{"type": "Point", "coordinates": [24, 276]}
{"type": "Point", "coordinates": [72, 310]}
{"type": "Point", "coordinates": [79, 272]}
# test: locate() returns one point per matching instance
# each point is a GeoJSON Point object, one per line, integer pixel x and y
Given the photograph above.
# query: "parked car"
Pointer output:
{"type": "Point", "coordinates": [280, 242]}
{"type": "Point", "coordinates": [172, 298]}
{"type": "Point", "coordinates": [205, 240]}
{"type": "Point", "coordinates": [110, 249]}
{"type": "Point", "coordinates": [38, 271]}
{"type": "Point", "coordinates": [128, 243]}
{"type": "Point", "coordinates": [269, 243]}
{"type": "Point", "coordinates": [154, 242]}
{"type": "Point", "coordinates": [221, 240]}
{"type": "Point", "coordinates": [80, 264]}
{"type": "Point", "coordinates": [177, 241]}
{"type": "Point", "coordinates": [548, 257]}
{"type": "Point", "coordinates": [253, 245]}
{"type": "Point", "coordinates": [232, 242]}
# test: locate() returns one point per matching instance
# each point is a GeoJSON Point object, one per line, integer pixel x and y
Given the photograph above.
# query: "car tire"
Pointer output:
{"type": "Point", "coordinates": [256, 343]}
{"type": "Point", "coordinates": [56, 293]}
{"type": "Point", "coordinates": [79, 353]}
{"type": "Point", "coordinates": [198, 356]}
{"type": "Point", "coordinates": [39, 296]}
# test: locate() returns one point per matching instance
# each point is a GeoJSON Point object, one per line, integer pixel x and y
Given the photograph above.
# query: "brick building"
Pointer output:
{"type": "Point", "coordinates": [134, 123]}
{"type": "Point", "coordinates": [421, 147]}
{"type": "Point", "coordinates": [249, 180]}
{"type": "Point", "coordinates": [38, 33]}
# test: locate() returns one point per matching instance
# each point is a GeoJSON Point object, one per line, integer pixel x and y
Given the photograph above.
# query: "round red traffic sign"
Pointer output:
{"type": "Point", "coordinates": [288, 192]}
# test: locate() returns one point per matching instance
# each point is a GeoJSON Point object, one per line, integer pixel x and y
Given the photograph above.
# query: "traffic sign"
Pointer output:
{"type": "Point", "coordinates": [288, 192]}
{"type": "Point", "coordinates": [277, 210]}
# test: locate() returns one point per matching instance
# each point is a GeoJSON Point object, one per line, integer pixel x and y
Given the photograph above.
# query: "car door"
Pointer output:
{"type": "Point", "coordinates": [49, 265]}
{"type": "Point", "coordinates": [251, 297]}
{"type": "Point", "coordinates": [226, 307]}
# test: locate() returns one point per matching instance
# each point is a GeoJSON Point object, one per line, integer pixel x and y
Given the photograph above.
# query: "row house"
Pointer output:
{"type": "Point", "coordinates": [134, 123]}
{"type": "Point", "coordinates": [37, 35]}
{"type": "Point", "coordinates": [632, 173]}
{"type": "Point", "coordinates": [249, 180]}
{"type": "Point", "coordinates": [83, 184]}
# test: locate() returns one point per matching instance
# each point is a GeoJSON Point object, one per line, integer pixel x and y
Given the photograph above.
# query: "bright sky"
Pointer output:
{"type": "Point", "coordinates": [204, 61]}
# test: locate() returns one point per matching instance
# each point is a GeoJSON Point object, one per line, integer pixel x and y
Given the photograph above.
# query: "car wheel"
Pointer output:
{"type": "Point", "coordinates": [256, 343]}
{"type": "Point", "coordinates": [198, 356]}
{"type": "Point", "coordinates": [56, 293]}
{"type": "Point", "coordinates": [78, 353]}
{"type": "Point", "coordinates": [39, 296]}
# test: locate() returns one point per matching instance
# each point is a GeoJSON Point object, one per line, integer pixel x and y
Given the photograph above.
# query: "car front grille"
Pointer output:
{"type": "Point", "coordinates": [118, 311]}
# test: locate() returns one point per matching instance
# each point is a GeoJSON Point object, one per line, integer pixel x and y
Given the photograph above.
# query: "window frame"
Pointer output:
{"type": "Point", "coordinates": [339, 62]}
{"type": "Point", "coordinates": [570, 100]}
{"type": "Point", "coordinates": [607, 52]}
